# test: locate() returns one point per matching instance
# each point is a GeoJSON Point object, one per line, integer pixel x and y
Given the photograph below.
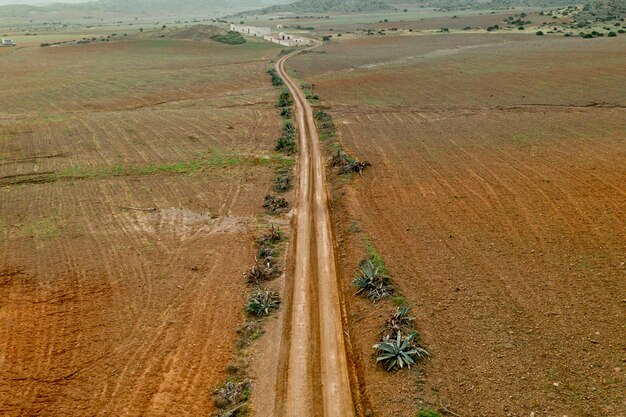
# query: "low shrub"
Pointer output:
{"type": "Point", "coordinates": [283, 182]}
{"type": "Point", "coordinates": [231, 38]}
{"type": "Point", "coordinates": [347, 164]}
{"type": "Point", "coordinates": [372, 281]}
{"type": "Point", "coordinates": [273, 236]}
{"type": "Point", "coordinates": [263, 270]}
{"type": "Point", "coordinates": [287, 142]}
{"type": "Point", "coordinates": [427, 412]}
{"type": "Point", "coordinates": [396, 353]}
{"type": "Point", "coordinates": [399, 321]}
{"type": "Point", "coordinates": [231, 394]}
{"type": "Point", "coordinates": [275, 204]}
{"type": "Point", "coordinates": [286, 112]}
{"type": "Point", "coordinates": [284, 99]}
{"type": "Point", "coordinates": [262, 302]}
{"type": "Point", "coordinates": [276, 80]}
{"type": "Point", "coordinates": [325, 124]}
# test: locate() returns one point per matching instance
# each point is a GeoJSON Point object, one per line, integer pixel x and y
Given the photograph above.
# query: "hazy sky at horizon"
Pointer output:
{"type": "Point", "coordinates": [38, 2]}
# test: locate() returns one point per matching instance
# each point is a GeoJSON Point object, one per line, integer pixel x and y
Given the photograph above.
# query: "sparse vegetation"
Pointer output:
{"type": "Point", "coordinates": [325, 125]}
{"type": "Point", "coordinates": [399, 321]}
{"type": "Point", "coordinates": [272, 237]}
{"type": "Point", "coordinates": [427, 412]}
{"type": "Point", "coordinates": [263, 270]}
{"type": "Point", "coordinates": [372, 281]}
{"type": "Point", "coordinates": [347, 164]}
{"type": "Point", "coordinates": [396, 353]}
{"type": "Point", "coordinates": [284, 99]}
{"type": "Point", "coordinates": [275, 205]}
{"type": "Point", "coordinates": [286, 143]}
{"type": "Point", "coordinates": [232, 397]}
{"type": "Point", "coordinates": [276, 80]}
{"type": "Point", "coordinates": [262, 302]}
{"type": "Point", "coordinates": [231, 38]}
{"type": "Point", "coordinates": [283, 181]}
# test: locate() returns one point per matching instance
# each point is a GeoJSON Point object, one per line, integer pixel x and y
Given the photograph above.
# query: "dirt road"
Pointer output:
{"type": "Point", "coordinates": [314, 379]}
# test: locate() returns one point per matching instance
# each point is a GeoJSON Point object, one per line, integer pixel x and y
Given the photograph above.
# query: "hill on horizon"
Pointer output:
{"type": "Point", "coordinates": [138, 7]}
{"type": "Point", "coordinates": [327, 6]}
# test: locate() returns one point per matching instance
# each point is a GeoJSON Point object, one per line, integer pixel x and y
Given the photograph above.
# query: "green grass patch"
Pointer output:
{"type": "Point", "coordinates": [46, 228]}
{"type": "Point", "coordinates": [231, 38]}
{"type": "Point", "coordinates": [374, 256]}
{"type": "Point", "coordinates": [51, 117]}
{"type": "Point", "coordinates": [398, 300]}
{"type": "Point", "coordinates": [427, 412]}
{"type": "Point", "coordinates": [325, 125]}
{"type": "Point", "coordinates": [215, 158]}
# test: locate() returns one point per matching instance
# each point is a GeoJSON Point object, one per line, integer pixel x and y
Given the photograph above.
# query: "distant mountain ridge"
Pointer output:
{"type": "Point", "coordinates": [140, 7]}
{"type": "Point", "coordinates": [328, 6]}
{"type": "Point", "coordinates": [323, 6]}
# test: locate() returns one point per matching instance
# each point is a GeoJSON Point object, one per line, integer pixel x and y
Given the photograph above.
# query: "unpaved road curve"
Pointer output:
{"type": "Point", "coordinates": [314, 379]}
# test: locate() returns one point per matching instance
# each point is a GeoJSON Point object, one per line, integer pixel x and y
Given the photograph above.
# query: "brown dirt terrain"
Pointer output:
{"type": "Point", "coordinates": [496, 198]}
{"type": "Point", "coordinates": [130, 193]}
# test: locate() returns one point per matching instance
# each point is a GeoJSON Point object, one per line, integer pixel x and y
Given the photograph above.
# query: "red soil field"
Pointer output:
{"type": "Point", "coordinates": [131, 184]}
{"type": "Point", "coordinates": [496, 198]}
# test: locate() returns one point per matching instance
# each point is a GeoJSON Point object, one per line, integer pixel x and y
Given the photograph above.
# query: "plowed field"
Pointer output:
{"type": "Point", "coordinates": [131, 181]}
{"type": "Point", "coordinates": [497, 199]}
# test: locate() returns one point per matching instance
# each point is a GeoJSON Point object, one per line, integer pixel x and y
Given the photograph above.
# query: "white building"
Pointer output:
{"type": "Point", "coordinates": [291, 40]}
{"type": "Point", "coordinates": [7, 42]}
{"type": "Point", "coordinates": [251, 30]}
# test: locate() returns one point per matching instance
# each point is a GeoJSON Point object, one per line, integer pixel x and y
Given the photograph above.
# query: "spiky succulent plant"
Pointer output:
{"type": "Point", "coordinates": [399, 352]}
{"type": "Point", "coordinates": [262, 302]}
{"type": "Point", "coordinates": [372, 281]}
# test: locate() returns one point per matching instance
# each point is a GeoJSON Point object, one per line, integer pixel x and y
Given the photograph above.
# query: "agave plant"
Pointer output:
{"type": "Point", "coordinates": [399, 318]}
{"type": "Point", "coordinates": [266, 253]}
{"type": "Point", "coordinates": [271, 237]}
{"type": "Point", "coordinates": [372, 281]}
{"type": "Point", "coordinates": [274, 235]}
{"type": "Point", "coordinates": [353, 165]}
{"type": "Point", "coordinates": [286, 143]}
{"type": "Point", "coordinates": [398, 352]}
{"type": "Point", "coordinates": [262, 302]}
{"type": "Point", "coordinates": [262, 271]}
{"type": "Point", "coordinates": [348, 164]}
{"type": "Point", "coordinates": [275, 204]}
{"type": "Point", "coordinates": [283, 183]}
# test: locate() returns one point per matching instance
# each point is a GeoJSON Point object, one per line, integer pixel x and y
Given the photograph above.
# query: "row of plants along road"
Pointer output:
{"type": "Point", "coordinates": [398, 346]}
{"type": "Point", "coordinates": [232, 397]}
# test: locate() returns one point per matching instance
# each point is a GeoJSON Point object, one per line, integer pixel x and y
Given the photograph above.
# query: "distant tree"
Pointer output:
{"type": "Point", "coordinates": [539, 33]}
{"type": "Point", "coordinates": [140, 29]}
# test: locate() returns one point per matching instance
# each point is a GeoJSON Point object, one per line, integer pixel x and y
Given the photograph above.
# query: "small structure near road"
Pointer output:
{"type": "Point", "coordinates": [282, 38]}
{"type": "Point", "coordinates": [285, 39]}
{"type": "Point", "coordinates": [7, 42]}
{"type": "Point", "coordinates": [251, 30]}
